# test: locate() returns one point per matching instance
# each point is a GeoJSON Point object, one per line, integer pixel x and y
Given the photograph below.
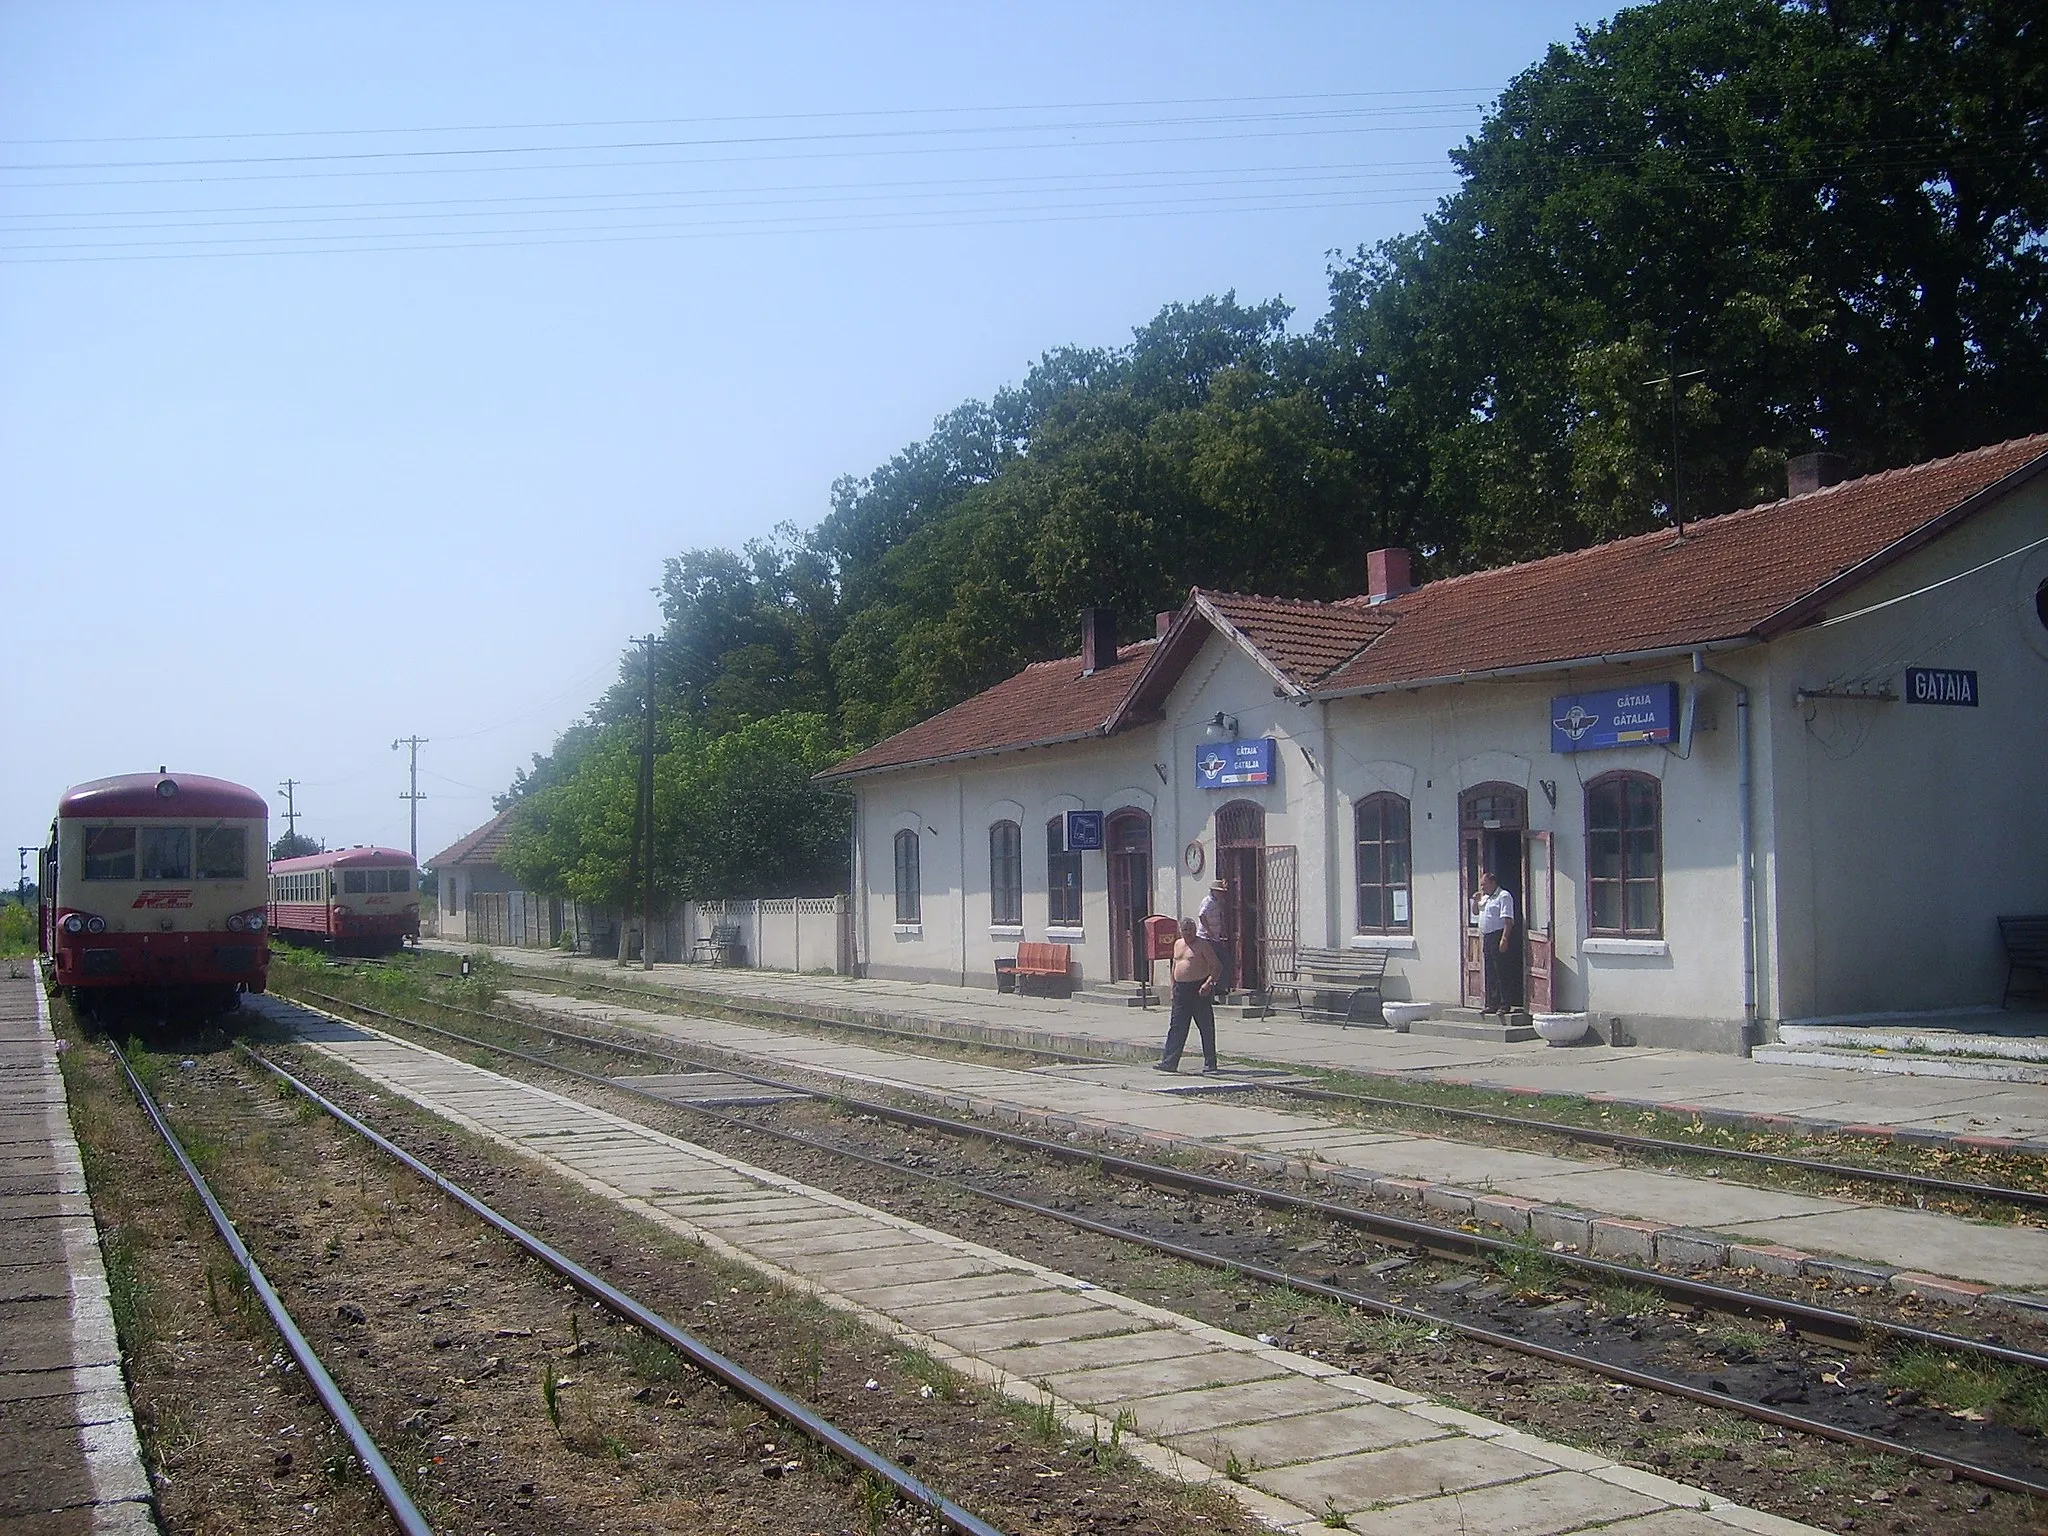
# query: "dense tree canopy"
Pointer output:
{"type": "Point", "coordinates": [1826, 216]}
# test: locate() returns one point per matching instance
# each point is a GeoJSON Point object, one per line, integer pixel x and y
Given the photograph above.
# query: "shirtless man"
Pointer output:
{"type": "Point", "coordinates": [1196, 975]}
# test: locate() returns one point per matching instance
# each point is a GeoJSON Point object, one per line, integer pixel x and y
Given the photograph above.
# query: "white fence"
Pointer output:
{"type": "Point", "coordinates": [780, 934]}
{"type": "Point", "coordinates": [785, 934]}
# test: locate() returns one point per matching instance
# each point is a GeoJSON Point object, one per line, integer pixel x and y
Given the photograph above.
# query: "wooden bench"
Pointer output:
{"type": "Point", "coordinates": [1343, 983]}
{"type": "Point", "coordinates": [1044, 962]}
{"type": "Point", "coordinates": [2026, 949]}
{"type": "Point", "coordinates": [721, 946]}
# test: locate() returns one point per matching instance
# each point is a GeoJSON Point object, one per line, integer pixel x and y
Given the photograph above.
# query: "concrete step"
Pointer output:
{"type": "Point", "coordinates": [2018, 1042]}
{"type": "Point", "coordinates": [1471, 1024]}
{"type": "Point", "coordinates": [1902, 1063]}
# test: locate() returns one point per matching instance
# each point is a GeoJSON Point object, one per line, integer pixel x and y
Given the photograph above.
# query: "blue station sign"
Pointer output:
{"type": "Point", "coordinates": [1618, 717]}
{"type": "Point", "coordinates": [1084, 831]}
{"type": "Point", "coordinates": [1229, 764]}
{"type": "Point", "coordinates": [1941, 685]}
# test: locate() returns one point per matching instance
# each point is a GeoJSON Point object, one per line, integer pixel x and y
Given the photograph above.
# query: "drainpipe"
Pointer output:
{"type": "Point", "coordinates": [1745, 854]}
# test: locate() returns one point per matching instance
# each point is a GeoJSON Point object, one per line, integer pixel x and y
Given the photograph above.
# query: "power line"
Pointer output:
{"type": "Point", "coordinates": [742, 229]}
{"type": "Point", "coordinates": [1067, 144]}
{"type": "Point", "coordinates": [1459, 92]}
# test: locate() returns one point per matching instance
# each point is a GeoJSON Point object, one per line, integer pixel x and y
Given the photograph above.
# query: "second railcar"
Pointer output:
{"type": "Point", "coordinates": [359, 899]}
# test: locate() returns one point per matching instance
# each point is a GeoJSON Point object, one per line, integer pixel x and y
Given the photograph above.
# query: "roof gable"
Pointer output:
{"type": "Point", "coordinates": [483, 846]}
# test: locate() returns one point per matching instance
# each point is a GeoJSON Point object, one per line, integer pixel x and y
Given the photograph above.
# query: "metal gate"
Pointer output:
{"type": "Point", "coordinates": [1279, 920]}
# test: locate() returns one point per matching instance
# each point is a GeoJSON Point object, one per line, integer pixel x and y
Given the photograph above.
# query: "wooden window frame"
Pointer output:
{"type": "Point", "coordinates": [1621, 783]}
{"type": "Point", "coordinates": [909, 879]}
{"type": "Point", "coordinates": [1378, 804]}
{"type": "Point", "coordinates": [1058, 864]}
{"type": "Point", "coordinates": [1006, 875]}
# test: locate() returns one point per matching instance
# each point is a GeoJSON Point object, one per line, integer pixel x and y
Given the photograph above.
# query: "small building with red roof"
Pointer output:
{"type": "Point", "coordinates": [470, 866]}
{"type": "Point", "coordinates": [1778, 765]}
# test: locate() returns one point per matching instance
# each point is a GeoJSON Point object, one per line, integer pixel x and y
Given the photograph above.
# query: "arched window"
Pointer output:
{"type": "Point", "coordinates": [1062, 879]}
{"type": "Point", "coordinates": [909, 908]}
{"type": "Point", "coordinates": [1380, 825]}
{"type": "Point", "coordinates": [1005, 874]}
{"type": "Point", "coordinates": [1625, 856]}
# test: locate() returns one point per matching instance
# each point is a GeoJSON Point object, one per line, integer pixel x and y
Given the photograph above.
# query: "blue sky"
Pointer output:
{"type": "Point", "coordinates": [360, 365]}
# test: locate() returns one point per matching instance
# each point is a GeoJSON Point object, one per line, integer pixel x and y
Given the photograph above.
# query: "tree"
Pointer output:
{"type": "Point", "coordinates": [295, 845]}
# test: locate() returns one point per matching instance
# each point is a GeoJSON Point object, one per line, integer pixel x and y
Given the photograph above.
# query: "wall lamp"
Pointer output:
{"type": "Point", "coordinates": [1221, 725]}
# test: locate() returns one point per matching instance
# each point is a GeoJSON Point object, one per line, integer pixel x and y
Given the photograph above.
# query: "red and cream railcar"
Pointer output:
{"type": "Point", "coordinates": [353, 898]}
{"type": "Point", "coordinates": [152, 886]}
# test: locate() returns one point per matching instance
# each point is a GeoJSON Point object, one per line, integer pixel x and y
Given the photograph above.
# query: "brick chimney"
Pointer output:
{"type": "Point", "coordinates": [1098, 640]}
{"type": "Point", "coordinates": [1806, 473]}
{"type": "Point", "coordinates": [1162, 621]}
{"type": "Point", "coordinates": [1388, 573]}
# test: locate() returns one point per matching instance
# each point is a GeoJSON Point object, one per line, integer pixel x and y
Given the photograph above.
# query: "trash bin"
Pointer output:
{"type": "Point", "coordinates": [1006, 975]}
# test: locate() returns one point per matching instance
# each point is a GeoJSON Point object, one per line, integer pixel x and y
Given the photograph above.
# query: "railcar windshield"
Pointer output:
{"type": "Point", "coordinates": [109, 853]}
{"type": "Point", "coordinates": [355, 882]}
{"type": "Point", "coordinates": [221, 853]}
{"type": "Point", "coordinates": [166, 853]}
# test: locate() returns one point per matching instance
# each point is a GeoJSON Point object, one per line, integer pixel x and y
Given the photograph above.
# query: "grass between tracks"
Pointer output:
{"type": "Point", "coordinates": [507, 1407]}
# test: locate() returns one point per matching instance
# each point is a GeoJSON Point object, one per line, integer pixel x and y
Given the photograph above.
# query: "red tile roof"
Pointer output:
{"type": "Point", "coordinates": [1302, 640]}
{"type": "Point", "coordinates": [1049, 701]}
{"type": "Point", "coordinates": [1754, 573]}
{"type": "Point", "coordinates": [483, 846]}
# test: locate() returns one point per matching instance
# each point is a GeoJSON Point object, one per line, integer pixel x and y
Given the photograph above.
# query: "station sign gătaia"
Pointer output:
{"type": "Point", "coordinates": [1229, 764]}
{"type": "Point", "coordinates": [1615, 717]}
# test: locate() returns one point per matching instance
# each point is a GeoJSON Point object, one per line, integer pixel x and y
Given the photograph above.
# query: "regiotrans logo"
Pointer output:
{"type": "Point", "coordinates": [163, 899]}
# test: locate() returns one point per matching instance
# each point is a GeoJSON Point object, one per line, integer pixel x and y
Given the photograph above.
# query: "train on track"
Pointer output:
{"type": "Point", "coordinates": [152, 892]}
{"type": "Point", "coordinates": [362, 900]}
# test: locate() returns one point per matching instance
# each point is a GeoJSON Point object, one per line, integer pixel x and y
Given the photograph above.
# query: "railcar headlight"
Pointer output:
{"type": "Point", "coordinates": [95, 925]}
{"type": "Point", "coordinates": [236, 922]}
{"type": "Point", "coordinates": [74, 924]}
{"type": "Point", "coordinates": [255, 922]}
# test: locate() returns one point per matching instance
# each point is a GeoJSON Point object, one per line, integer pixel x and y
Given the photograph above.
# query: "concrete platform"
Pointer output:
{"type": "Point", "coordinates": [2000, 1115]}
{"type": "Point", "coordinates": [1200, 1396]}
{"type": "Point", "coordinates": [69, 1460]}
{"type": "Point", "coordinates": [1592, 1205]}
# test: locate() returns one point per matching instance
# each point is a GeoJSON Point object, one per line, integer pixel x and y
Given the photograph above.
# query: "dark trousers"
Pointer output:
{"type": "Point", "coordinates": [1191, 1005]}
{"type": "Point", "coordinates": [1501, 991]}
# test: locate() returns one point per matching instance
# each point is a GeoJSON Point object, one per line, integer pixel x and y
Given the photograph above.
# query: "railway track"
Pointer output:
{"type": "Point", "coordinates": [2010, 1464]}
{"type": "Point", "coordinates": [391, 1487]}
{"type": "Point", "coordinates": [1917, 1186]}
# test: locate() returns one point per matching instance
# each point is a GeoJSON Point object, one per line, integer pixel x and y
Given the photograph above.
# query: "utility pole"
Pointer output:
{"type": "Point", "coordinates": [1672, 379]}
{"type": "Point", "coordinates": [291, 810]}
{"type": "Point", "coordinates": [413, 794]}
{"type": "Point", "coordinates": [640, 867]}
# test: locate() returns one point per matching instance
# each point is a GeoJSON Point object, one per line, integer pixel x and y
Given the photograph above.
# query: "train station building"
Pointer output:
{"type": "Point", "coordinates": [1783, 765]}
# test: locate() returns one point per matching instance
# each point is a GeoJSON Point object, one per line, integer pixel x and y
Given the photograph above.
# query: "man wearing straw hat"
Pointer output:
{"type": "Point", "coordinates": [1212, 922]}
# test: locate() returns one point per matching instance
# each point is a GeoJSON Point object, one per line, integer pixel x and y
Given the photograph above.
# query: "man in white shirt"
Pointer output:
{"type": "Point", "coordinates": [1212, 921]}
{"type": "Point", "coordinates": [1494, 910]}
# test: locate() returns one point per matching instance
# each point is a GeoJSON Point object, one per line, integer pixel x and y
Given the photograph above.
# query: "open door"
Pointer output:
{"type": "Point", "coordinates": [1472, 966]}
{"type": "Point", "coordinates": [1539, 934]}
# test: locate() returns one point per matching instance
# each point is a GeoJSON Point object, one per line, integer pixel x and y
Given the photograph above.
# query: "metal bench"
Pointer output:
{"type": "Point", "coordinates": [2026, 949]}
{"type": "Point", "coordinates": [1340, 986]}
{"type": "Point", "coordinates": [1044, 962]}
{"type": "Point", "coordinates": [721, 946]}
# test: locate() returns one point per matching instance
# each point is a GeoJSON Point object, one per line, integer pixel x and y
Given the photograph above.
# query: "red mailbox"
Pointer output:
{"type": "Point", "coordinates": [1160, 932]}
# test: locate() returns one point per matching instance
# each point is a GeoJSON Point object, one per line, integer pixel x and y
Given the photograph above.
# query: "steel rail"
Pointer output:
{"type": "Point", "coordinates": [1492, 1338]}
{"type": "Point", "coordinates": [1453, 1242]}
{"type": "Point", "coordinates": [400, 1503]}
{"type": "Point", "coordinates": [734, 1375]}
{"type": "Point", "coordinates": [1622, 1141]}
